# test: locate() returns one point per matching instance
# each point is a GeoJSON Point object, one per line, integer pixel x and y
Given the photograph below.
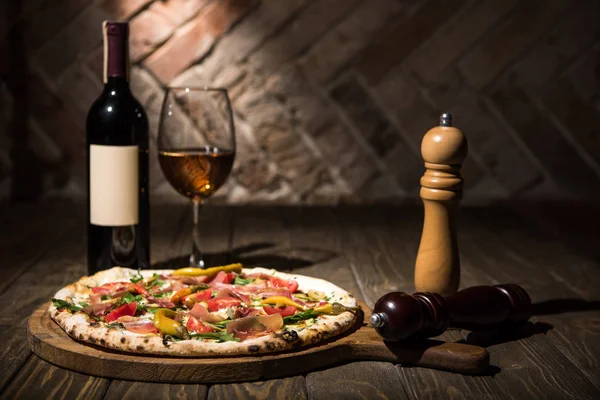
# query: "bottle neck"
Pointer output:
{"type": "Point", "coordinates": [116, 51]}
{"type": "Point", "coordinates": [118, 84]}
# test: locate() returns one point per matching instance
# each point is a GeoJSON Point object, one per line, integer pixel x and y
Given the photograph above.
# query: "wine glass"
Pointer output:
{"type": "Point", "coordinates": [196, 147]}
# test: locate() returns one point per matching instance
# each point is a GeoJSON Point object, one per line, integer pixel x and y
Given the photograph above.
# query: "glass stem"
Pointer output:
{"type": "Point", "coordinates": [196, 259]}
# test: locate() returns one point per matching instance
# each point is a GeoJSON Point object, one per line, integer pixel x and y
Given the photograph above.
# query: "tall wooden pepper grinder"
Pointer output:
{"type": "Point", "coordinates": [444, 148]}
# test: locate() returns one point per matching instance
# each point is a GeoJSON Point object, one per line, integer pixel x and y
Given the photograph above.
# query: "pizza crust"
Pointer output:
{"type": "Point", "coordinates": [80, 327]}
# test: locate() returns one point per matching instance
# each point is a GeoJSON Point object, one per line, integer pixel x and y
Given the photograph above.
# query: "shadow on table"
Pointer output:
{"type": "Point", "coordinates": [561, 306]}
{"type": "Point", "coordinates": [279, 258]}
{"type": "Point", "coordinates": [499, 336]}
{"type": "Point", "coordinates": [549, 307]}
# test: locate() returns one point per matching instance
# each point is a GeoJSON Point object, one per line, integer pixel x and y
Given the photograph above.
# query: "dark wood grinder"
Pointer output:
{"type": "Point", "coordinates": [398, 316]}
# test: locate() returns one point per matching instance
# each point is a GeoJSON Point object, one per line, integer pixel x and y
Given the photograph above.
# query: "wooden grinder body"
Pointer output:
{"type": "Point", "coordinates": [437, 267]}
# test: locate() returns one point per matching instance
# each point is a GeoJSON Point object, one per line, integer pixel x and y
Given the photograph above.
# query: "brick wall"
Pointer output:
{"type": "Point", "coordinates": [331, 97]}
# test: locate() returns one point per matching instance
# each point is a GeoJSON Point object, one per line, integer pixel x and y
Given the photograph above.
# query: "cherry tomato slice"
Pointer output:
{"type": "Point", "coordinates": [125, 309]}
{"type": "Point", "coordinates": [284, 311]}
{"type": "Point", "coordinates": [138, 289]}
{"type": "Point", "coordinates": [196, 326]}
{"type": "Point", "coordinates": [199, 296]}
{"type": "Point", "coordinates": [217, 304]}
{"type": "Point", "coordinates": [223, 277]}
{"type": "Point", "coordinates": [292, 285]}
{"type": "Point", "coordinates": [190, 299]}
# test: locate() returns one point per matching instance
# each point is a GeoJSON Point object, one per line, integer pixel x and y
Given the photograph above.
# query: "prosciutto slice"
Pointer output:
{"type": "Point", "coordinates": [135, 325]}
{"type": "Point", "coordinates": [271, 292]}
{"type": "Point", "coordinates": [99, 309]}
{"type": "Point", "coordinates": [221, 285]}
{"type": "Point", "coordinates": [232, 293]}
{"type": "Point", "coordinates": [255, 286]}
{"type": "Point", "coordinates": [246, 312]}
{"type": "Point", "coordinates": [166, 303]}
{"type": "Point", "coordinates": [201, 313]}
{"type": "Point", "coordinates": [247, 289]}
{"type": "Point", "coordinates": [255, 326]}
{"type": "Point", "coordinates": [189, 280]}
{"type": "Point", "coordinates": [95, 298]}
{"type": "Point", "coordinates": [110, 288]}
{"type": "Point", "coordinates": [259, 275]}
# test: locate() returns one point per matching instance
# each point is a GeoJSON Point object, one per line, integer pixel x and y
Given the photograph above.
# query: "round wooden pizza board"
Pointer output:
{"type": "Point", "coordinates": [52, 344]}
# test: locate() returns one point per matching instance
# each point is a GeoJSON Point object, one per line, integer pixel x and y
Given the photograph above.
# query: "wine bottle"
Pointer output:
{"type": "Point", "coordinates": [117, 161]}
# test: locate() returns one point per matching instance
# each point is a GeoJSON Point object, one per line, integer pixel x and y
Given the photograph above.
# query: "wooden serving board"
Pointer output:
{"type": "Point", "coordinates": [51, 343]}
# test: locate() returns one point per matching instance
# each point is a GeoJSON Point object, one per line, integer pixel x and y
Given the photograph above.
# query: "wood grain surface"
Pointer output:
{"type": "Point", "coordinates": [287, 388]}
{"type": "Point", "coordinates": [39, 379]}
{"type": "Point", "coordinates": [368, 251]}
{"type": "Point", "coordinates": [368, 380]}
{"type": "Point", "coordinates": [500, 254]}
{"type": "Point", "coordinates": [128, 390]}
{"type": "Point", "coordinates": [19, 248]}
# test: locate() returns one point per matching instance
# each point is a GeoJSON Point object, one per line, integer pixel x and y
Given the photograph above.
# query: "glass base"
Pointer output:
{"type": "Point", "coordinates": [194, 262]}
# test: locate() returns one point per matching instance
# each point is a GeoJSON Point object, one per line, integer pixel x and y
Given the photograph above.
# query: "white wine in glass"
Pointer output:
{"type": "Point", "coordinates": [196, 147]}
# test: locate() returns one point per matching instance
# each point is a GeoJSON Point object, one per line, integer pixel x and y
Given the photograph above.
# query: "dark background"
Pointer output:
{"type": "Point", "coordinates": [331, 97]}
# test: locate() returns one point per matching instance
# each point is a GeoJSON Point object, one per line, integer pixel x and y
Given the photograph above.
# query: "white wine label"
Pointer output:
{"type": "Point", "coordinates": [114, 186]}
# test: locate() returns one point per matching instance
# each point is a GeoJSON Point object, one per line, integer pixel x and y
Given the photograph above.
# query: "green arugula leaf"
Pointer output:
{"type": "Point", "coordinates": [115, 325]}
{"type": "Point", "coordinates": [222, 324]}
{"type": "Point", "coordinates": [292, 319]}
{"type": "Point", "coordinates": [165, 294]}
{"type": "Point", "coordinates": [137, 278]}
{"type": "Point", "coordinates": [156, 281]}
{"type": "Point", "coordinates": [129, 297]}
{"type": "Point", "coordinates": [83, 304]}
{"type": "Point", "coordinates": [105, 297]}
{"type": "Point", "coordinates": [220, 337]}
{"type": "Point", "coordinates": [153, 284]}
{"type": "Point", "coordinates": [62, 304]}
{"type": "Point", "coordinates": [302, 296]}
{"type": "Point", "coordinates": [219, 325]}
{"type": "Point", "coordinates": [242, 282]}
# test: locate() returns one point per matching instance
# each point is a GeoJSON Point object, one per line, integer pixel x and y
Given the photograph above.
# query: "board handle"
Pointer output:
{"type": "Point", "coordinates": [461, 358]}
{"type": "Point", "coordinates": [452, 357]}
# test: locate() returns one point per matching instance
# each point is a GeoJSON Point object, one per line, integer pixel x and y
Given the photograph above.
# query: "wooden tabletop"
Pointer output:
{"type": "Point", "coordinates": [368, 251]}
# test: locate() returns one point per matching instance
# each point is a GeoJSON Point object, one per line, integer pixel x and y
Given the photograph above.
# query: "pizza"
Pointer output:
{"type": "Point", "coordinates": [191, 312]}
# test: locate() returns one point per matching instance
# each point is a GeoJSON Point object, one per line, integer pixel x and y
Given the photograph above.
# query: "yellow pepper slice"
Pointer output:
{"type": "Point", "coordinates": [281, 300]}
{"type": "Point", "coordinates": [325, 309]}
{"type": "Point", "coordinates": [191, 271]}
{"type": "Point", "coordinates": [180, 294]}
{"type": "Point", "coordinates": [164, 322]}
